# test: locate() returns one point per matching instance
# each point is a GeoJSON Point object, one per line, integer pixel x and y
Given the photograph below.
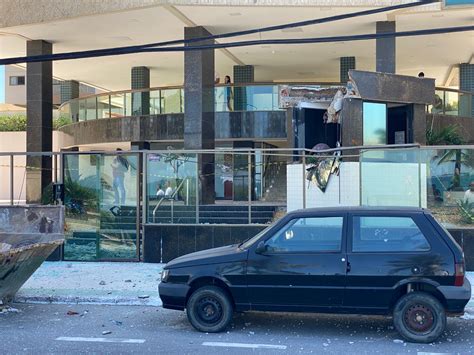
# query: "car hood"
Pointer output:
{"type": "Point", "coordinates": [229, 253]}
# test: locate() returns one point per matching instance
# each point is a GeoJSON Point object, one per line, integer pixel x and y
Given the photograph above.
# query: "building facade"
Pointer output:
{"type": "Point", "coordinates": [202, 122]}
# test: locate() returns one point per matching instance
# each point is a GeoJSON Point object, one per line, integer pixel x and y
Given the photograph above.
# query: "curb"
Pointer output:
{"type": "Point", "coordinates": [112, 301]}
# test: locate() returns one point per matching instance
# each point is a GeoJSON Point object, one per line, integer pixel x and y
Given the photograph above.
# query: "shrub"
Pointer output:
{"type": "Point", "coordinates": [17, 123]}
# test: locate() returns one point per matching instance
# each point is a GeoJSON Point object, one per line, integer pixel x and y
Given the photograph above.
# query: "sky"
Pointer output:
{"type": "Point", "coordinates": [2, 84]}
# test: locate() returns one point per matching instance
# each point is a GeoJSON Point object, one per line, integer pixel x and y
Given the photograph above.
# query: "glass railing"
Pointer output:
{"type": "Point", "coordinates": [228, 98]}
{"type": "Point", "coordinates": [452, 102]}
{"type": "Point", "coordinates": [155, 101]}
{"type": "Point", "coordinates": [437, 178]}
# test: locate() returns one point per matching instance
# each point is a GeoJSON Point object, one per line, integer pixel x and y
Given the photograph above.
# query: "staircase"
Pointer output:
{"type": "Point", "coordinates": [214, 214]}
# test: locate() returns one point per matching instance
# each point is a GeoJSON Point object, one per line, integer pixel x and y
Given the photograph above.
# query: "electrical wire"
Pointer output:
{"type": "Point", "coordinates": [139, 48]}
{"type": "Point", "coordinates": [361, 37]}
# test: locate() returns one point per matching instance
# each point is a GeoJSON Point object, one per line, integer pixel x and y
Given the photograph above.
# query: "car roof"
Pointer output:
{"type": "Point", "coordinates": [361, 209]}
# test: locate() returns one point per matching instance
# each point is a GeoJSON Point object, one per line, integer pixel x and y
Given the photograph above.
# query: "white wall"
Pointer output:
{"type": "Point", "coordinates": [16, 142]}
{"type": "Point", "coordinates": [342, 190]}
{"type": "Point", "coordinates": [15, 94]}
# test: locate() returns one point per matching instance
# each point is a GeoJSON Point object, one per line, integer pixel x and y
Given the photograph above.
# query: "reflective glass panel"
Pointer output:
{"type": "Point", "coordinates": [374, 123]}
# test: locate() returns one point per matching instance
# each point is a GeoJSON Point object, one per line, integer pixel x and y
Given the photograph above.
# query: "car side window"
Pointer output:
{"type": "Point", "coordinates": [316, 234]}
{"type": "Point", "coordinates": [387, 234]}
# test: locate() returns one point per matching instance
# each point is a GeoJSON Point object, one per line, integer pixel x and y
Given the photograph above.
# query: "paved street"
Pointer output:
{"type": "Point", "coordinates": [49, 329]}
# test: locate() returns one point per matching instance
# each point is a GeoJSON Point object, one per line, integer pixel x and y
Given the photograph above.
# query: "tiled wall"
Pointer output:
{"type": "Point", "coordinates": [346, 64]}
{"type": "Point", "coordinates": [242, 74]}
{"type": "Point", "coordinates": [69, 90]}
{"type": "Point", "coordinates": [140, 80]}
{"type": "Point", "coordinates": [466, 80]}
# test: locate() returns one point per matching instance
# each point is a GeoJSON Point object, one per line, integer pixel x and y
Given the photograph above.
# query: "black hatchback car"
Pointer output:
{"type": "Point", "coordinates": [392, 261]}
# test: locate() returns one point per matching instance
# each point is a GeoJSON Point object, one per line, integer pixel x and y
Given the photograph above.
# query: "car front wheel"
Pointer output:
{"type": "Point", "coordinates": [209, 309]}
{"type": "Point", "coordinates": [419, 317]}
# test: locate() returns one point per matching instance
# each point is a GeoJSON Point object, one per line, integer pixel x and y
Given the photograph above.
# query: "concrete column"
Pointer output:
{"type": "Point", "coordinates": [39, 112]}
{"type": "Point", "coordinates": [346, 64]}
{"type": "Point", "coordinates": [466, 83]}
{"type": "Point", "coordinates": [243, 74]}
{"type": "Point", "coordinates": [385, 51]}
{"type": "Point", "coordinates": [140, 79]}
{"type": "Point", "coordinates": [69, 90]}
{"type": "Point", "coordinates": [199, 131]}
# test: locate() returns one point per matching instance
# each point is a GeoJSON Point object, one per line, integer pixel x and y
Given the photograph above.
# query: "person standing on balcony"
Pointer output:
{"type": "Point", "coordinates": [119, 168]}
{"type": "Point", "coordinates": [228, 92]}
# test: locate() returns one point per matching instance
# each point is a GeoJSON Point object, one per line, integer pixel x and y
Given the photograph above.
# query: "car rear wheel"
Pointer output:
{"type": "Point", "coordinates": [419, 317]}
{"type": "Point", "coordinates": [209, 309]}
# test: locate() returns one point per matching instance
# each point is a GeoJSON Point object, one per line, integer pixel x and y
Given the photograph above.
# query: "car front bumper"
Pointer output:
{"type": "Point", "coordinates": [173, 295]}
{"type": "Point", "coordinates": [456, 297]}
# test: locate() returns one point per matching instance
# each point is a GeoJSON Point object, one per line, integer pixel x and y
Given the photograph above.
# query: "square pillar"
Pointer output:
{"type": "Point", "coordinates": [346, 64]}
{"type": "Point", "coordinates": [69, 90]}
{"type": "Point", "coordinates": [140, 79]}
{"type": "Point", "coordinates": [39, 126]}
{"type": "Point", "coordinates": [199, 131]}
{"type": "Point", "coordinates": [243, 74]}
{"type": "Point", "coordinates": [385, 48]}
{"type": "Point", "coordinates": [466, 83]}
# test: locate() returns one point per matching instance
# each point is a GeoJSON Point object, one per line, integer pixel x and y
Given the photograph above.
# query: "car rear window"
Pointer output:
{"type": "Point", "coordinates": [387, 234]}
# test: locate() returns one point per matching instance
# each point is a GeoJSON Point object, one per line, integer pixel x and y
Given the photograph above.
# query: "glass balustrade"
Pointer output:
{"type": "Point", "coordinates": [230, 98]}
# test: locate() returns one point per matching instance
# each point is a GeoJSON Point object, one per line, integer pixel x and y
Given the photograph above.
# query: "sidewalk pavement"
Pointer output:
{"type": "Point", "coordinates": [116, 283]}
{"type": "Point", "coordinates": [93, 283]}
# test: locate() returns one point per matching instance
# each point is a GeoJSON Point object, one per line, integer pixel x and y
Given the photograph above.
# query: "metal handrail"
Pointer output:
{"type": "Point", "coordinates": [170, 198]}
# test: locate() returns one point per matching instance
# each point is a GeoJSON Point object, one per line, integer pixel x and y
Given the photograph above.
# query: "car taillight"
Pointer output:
{"type": "Point", "coordinates": [459, 274]}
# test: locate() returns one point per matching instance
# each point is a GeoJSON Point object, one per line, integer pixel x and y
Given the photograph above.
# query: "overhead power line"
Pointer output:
{"type": "Point", "coordinates": [349, 38]}
{"type": "Point", "coordinates": [139, 48]}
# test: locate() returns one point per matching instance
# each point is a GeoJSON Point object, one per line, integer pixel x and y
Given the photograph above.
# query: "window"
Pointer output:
{"type": "Point", "coordinates": [387, 234]}
{"type": "Point", "coordinates": [319, 234]}
{"type": "Point", "coordinates": [374, 123]}
{"type": "Point", "coordinates": [17, 80]}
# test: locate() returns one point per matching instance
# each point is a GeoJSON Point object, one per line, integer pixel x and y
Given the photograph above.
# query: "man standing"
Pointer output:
{"type": "Point", "coordinates": [469, 194]}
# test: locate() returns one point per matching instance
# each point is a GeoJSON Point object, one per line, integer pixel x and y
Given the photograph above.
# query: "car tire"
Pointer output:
{"type": "Point", "coordinates": [419, 317]}
{"type": "Point", "coordinates": [209, 309]}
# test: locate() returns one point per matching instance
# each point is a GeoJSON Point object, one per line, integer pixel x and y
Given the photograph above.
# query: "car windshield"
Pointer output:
{"type": "Point", "coordinates": [249, 242]}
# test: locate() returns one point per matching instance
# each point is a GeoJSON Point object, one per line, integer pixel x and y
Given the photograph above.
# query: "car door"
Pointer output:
{"type": "Point", "coordinates": [384, 249]}
{"type": "Point", "coordinates": [302, 267]}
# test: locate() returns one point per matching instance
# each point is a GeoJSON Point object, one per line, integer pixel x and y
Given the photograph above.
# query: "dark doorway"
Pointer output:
{"type": "Point", "coordinates": [399, 124]}
{"type": "Point", "coordinates": [316, 131]}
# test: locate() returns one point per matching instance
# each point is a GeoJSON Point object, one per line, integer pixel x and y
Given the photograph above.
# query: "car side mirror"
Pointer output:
{"type": "Point", "coordinates": [261, 248]}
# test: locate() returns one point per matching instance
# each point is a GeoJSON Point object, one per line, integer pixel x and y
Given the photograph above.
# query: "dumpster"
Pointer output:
{"type": "Point", "coordinates": [28, 235]}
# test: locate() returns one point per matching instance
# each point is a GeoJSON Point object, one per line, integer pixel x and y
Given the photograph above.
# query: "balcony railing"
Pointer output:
{"type": "Point", "coordinates": [452, 102]}
{"type": "Point", "coordinates": [168, 100]}
{"type": "Point", "coordinates": [255, 97]}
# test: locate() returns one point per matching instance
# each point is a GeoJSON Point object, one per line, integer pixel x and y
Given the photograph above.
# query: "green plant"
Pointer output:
{"type": "Point", "coordinates": [448, 135]}
{"type": "Point", "coordinates": [466, 211]}
{"type": "Point", "coordinates": [17, 123]}
{"type": "Point", "coordinates": [60, 122]}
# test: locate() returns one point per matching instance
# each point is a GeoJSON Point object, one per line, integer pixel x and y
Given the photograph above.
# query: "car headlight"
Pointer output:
{"type": "Point", "coordinates": [164, 275]}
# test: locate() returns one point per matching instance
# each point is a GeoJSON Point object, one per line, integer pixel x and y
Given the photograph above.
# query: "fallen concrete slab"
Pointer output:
{"type": "Point", "coordinates": [28, 235]}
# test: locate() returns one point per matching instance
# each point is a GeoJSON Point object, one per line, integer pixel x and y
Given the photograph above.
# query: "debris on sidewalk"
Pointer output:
{"type": "Point", "coordinates": [105, 332]}
{"type": "Point", "coordinates": [72, 313]}
{"type": "Point", "coordinates": [8, 309]}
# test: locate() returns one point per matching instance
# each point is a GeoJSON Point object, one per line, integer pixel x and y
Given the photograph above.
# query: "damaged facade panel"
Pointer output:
{"type": "Point", "coordinates": [28, 235]}
{"type": "Point", "coordinates": [404, 98]}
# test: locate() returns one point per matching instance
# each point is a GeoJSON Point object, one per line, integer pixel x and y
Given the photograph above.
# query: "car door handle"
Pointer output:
{"type": "Point", "coordinates": [348, 267]}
